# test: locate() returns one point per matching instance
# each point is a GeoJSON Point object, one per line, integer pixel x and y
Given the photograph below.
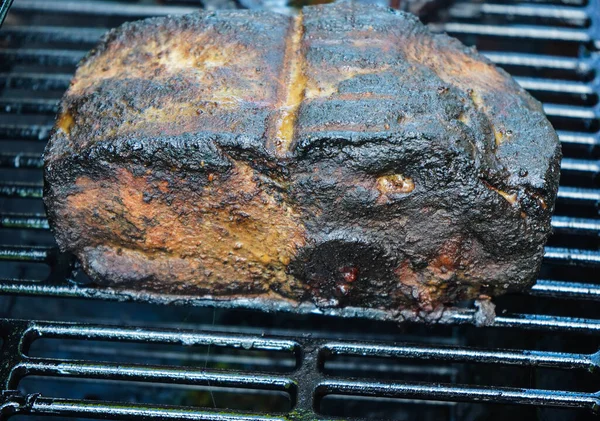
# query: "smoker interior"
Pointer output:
{"type": "Point", "coordinates": [76, 350]}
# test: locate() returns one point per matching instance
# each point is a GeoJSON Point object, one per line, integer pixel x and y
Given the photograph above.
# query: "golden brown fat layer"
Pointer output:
{"type": "Point", "coordinates": [291, 90]}
{"type": "Point", "coordinates": [185, 237]}
{"type": "Point", "coordinates": [346, 156]}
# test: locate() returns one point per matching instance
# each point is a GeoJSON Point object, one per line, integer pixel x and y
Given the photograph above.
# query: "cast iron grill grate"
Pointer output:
{"type": "Point", "coordinates": [301, 371]}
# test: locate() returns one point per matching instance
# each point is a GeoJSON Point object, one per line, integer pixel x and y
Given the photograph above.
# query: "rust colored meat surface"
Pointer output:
{"type": "Point", "coordinates": [345, 156]}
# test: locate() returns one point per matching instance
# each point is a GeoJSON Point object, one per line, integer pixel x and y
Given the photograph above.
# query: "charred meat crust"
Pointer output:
{"type": "Point", "coordinates": [346, 156]}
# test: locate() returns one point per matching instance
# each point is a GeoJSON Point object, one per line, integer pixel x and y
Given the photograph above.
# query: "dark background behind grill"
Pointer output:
{"type": "Point", "coordinates": [550, 46]}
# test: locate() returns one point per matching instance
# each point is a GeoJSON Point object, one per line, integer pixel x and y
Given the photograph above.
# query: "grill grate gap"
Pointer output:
{"type": "Point", "coordinates": [376, 408]}
{"type": "Point", "coordinates": [159, 394]}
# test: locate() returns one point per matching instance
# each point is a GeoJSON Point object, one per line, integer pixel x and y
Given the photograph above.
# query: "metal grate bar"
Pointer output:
{"type": "Point", "coordinates": [25, 131]}
{"type": "Point", "coordinates": [35, 81]}
{"type": "Point", "coordinates": [581, 226]}
{"type": "Point", "coordinates": [582, 166]}
{"type": "Point", "coordinates": [520, 31]}
{"type": "Point", "coordinates": [28, 254]}
{"type": "Point", "coordinates": [581, 139]}
{"type": "Point", "coordinates": [570, 290]}
{"type": "Point", "coordinates": [28, 105]}
{"type": "Point", "coordinates": [4, 6]}
{"type": "Point", "coordinates": [24, 221]}
{"type": "Point", "coordinates": [147, 373]}
{"type": "Point", "coordinates": [474, 10]}
{"type": "Point", "coordinates": [21, 190]}
{"type": "Point", "coordinates": [41, 56]}
{"type": "Point", "coordinates": [70, 331]}
{"type": "Point", "coordinates": [502, 395]}
{"type": "Point", "coordinates": [21, 160]}
{"type": "Point", "coordinates": [536, 322]}
{"type": "Point", "coordinates": [553, 85]}
{"type": "Point", "coordinates": [505, 357]}
{"type": "Point", "coordinates": [51, 34]}
{"type": "Point", "coordinates": [115, 410]}
{"type": "Point", "coordinates": [24, 287]}
{"type": "Point", "coordinates": [452, 315]}
{"type": "Point", "coordinates": [536, 60]}
{"type": "Point", "coordinates": [99, 8]}
{"type": "Point", "coordinates": [572, 257]}
{"type": "Point", "coordinates": [579, 195]}
{"type": "Point", "coordinates": [569, 111]}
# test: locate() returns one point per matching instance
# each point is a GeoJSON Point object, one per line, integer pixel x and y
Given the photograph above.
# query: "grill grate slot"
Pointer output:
{"type": "Point", "coordinates": [551, 47]}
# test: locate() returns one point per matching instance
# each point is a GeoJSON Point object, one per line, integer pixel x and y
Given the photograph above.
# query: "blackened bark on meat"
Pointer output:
{"type": "Point", "coordinates": [346, 156]}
